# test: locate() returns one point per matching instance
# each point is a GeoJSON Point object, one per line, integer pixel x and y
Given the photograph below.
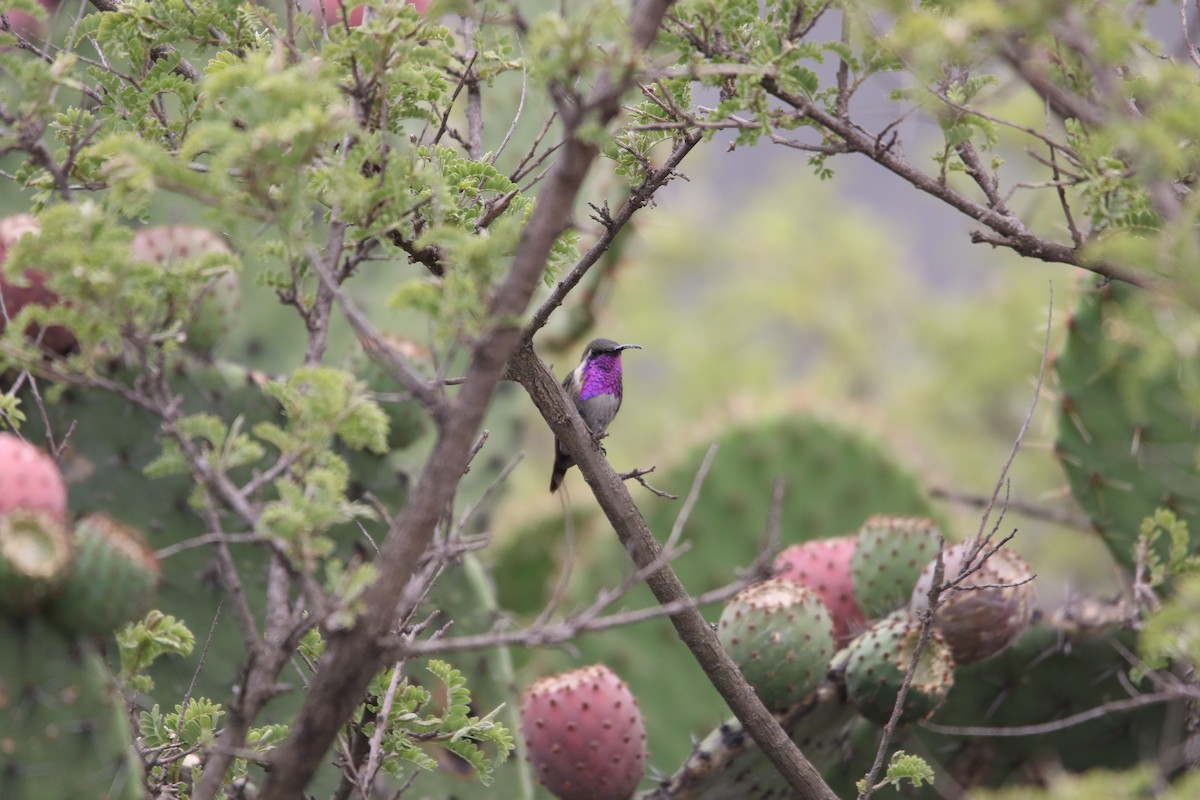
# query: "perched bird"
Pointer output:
{"type": "Point", "coordinates": [595, 388]}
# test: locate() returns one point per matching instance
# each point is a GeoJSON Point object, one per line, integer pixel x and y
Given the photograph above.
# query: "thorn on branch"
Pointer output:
{"type": "Point", "coordinates": [636, 474]}
{"type": "Point", "coordinates": [603, 215]}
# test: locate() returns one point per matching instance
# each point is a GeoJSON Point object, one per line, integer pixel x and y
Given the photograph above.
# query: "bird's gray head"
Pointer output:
{"type": "Point", "coordinates": [598, 347]}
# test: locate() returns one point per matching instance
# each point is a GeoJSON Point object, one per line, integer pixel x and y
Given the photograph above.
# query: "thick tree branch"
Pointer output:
{"type": "Point", "coordinates": [354, 655]}
{"type": "Point", "coordinates": [551, 400]}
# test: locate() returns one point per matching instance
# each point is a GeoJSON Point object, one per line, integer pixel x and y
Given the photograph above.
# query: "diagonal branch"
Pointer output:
{"type": "Point", "coordinates": [551, 400]}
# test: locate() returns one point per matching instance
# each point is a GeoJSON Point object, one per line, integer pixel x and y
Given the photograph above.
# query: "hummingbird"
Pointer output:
{"type": "Point", "coordinates": [595, 388]}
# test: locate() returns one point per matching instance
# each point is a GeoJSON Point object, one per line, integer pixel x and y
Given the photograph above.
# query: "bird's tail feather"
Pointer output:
{"type": "Point", "coordinates": [562, 463]}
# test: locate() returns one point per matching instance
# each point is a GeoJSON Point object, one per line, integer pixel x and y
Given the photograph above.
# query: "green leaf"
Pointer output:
{"type": "Point", "coordinates": [140, 644]}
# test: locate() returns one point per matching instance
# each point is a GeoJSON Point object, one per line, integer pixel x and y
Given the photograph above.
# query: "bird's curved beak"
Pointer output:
{"type": "Point", "coordinates": [629, 347]}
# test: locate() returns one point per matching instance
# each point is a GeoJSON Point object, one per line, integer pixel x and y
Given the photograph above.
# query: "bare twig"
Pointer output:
{"type": "Point", "coordinates": [1030, 510]}
{"type": "Point", "coordinates": [1103, 710]}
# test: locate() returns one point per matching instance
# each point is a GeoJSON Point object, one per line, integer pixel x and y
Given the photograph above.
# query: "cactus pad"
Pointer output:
{"type": "Point", "coordinates": [1127, 428]}
{"type": "Point", "coordinates": [780, 636]}
{"type": "Point", "coordinates": [890, 555]}
{"type": "Point", "coordinates": [824, 566]}
{"type": "Point", "coordinates": [877, 661]}
{"type": "Point", "coordinates": [113, 581]}
{"type": "Point", "coordinates": [727, 764]}
{"type": "Point", "coordinates": [979, 623]}
{"type": "Point", "coordinates": [64, 733]}
{"type": "Point", "coordinates": [585, 735]}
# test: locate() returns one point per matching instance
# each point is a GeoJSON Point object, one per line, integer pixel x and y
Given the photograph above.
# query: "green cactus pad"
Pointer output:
{"type": "Point", "coordinates": [726, 764]}
{"type": "Point", "coordinates": [781, 637]}
{"type": "Point", "coordinates": [888, 559]}
{"type": "Point", "coordinates": [64, 734]}
{"type": "Point", "coordinates": [35, 558]}
{"type": "Point", "coordinates": [877, 661]}
{"type": "Point", "coordinates": [113, 581]}
{"type": "Point", "coordinates": [1127, 426]}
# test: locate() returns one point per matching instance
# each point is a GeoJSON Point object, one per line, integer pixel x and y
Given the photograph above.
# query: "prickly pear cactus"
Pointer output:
{"type": "Point", "coordinates": [64, 733]}
{"type": "Point", "coordinates": [824, 566]}
{"type": "Point", "coordinates": [35, 559]}
{"type": "Point", "coordinates": [834, 478]}
{"type": "Point", "coordinates": [890, 555]}
{"type": "Point", "coordinates": [584, 734]}
{"type": "Point", "coordinates": [113, 581]}
{"type": "Point", "coordinates": [726, 764]}
{"type": "Point", "coordinates": [877, 661]}
{"type": "Point", "coordinates": [1127, 427]}
{"type": "Point", "coordinates": [780, 636]}
{"type": "Point", "coordinates": [980, 622]}
{"type": "Point", "coordinates": [1046, 676]}
{"type": "Point", "coordinates": [35, 547]}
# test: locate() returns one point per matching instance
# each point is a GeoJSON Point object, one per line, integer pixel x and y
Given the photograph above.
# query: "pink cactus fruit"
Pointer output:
{"type": "Point", "coordinates": [29, 289]}
{"type": "Point", "coordinates": [585, 735]}
{"type": "Point", "coordinates": [823, 565]}
{"type": "Point", "coordinates": [330, 11]}
{"type": "Point", "coordinates": [30, 480]}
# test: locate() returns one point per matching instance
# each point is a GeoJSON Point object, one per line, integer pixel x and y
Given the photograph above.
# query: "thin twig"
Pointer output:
{"type": "Point", "coordinates": [1111, 707]}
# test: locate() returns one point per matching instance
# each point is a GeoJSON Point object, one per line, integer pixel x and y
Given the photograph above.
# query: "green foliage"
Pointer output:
{"type": "Point", "coordinates": [1172, 632]}
{"type": "Point", "coordinates": [904, 767]}
{"type": "Point", "coordinates": [414, 725]}
{"type": "Point", "coordinates": [321, 403]}
{"type": "Point", "coordinates": [140, 644]}
{"type": "Point", "coordinates": [1163, 526]}
{"type": "Point", "coordinates": [186, 728]}
{"type": "Point", "coordinates": [176, 734]}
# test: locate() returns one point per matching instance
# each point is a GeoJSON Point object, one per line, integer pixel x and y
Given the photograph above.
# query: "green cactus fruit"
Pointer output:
{"type": "Point", "coordinates": [978, 623]}
{"type": "Point", "coordinates": [781, 637]}
{"type": "Point", "coordinates": [1127, 424]}
{"type": "Point", "coordinates": [877, 661]}
{"type": "Point", "coordinates": [64, 733]}
{"type": "Point", "coordinates": [890, 555]}
{"type": "Point", "coordinates": [113, 581]}
{"type": "Point", "coordinates": [35, 558]}
{"type": "Point", "coordinates": [824, 565]}
{"type": "Point", "coordinates": [213, 311]}
{"type": "Point", "coordinates": [584, 735]}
